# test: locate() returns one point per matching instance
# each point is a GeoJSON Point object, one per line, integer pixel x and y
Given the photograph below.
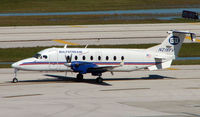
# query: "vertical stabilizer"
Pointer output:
{"type": "Point", "coordinates": [169, 49]}
{"type": "Point", "coordinates": [172, 44]}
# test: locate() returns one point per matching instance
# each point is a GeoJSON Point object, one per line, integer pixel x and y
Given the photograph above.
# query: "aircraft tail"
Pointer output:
{"type": "Point", "coordinates": [169, 49]}
{"type": "Point", "coordinates": [172, 44]}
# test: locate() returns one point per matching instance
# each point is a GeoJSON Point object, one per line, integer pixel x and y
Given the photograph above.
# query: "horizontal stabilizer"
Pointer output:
{"type": "Point", "coordinates": [196, 40]}
{"type": "Point", "coordinates": [163, 65]}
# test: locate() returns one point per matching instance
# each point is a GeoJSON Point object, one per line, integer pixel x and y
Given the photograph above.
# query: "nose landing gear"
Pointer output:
{"type": "Point", "coordinates": [15, 80]}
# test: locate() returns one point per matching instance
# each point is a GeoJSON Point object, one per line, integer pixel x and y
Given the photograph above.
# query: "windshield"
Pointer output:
{"type": "Point", "coordinates": [37, 55]}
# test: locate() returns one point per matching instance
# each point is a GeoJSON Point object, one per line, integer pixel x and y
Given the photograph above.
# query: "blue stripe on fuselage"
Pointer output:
{"type": "Point", "coordinates": [98, 63]}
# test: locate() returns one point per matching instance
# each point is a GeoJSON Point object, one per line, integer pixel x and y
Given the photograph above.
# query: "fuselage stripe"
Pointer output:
{"type": "Point", "coordinates": [97, 63]}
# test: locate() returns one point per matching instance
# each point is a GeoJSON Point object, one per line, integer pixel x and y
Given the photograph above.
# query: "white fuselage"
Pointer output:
{"type": "Point", "coordinates": [53, 59]}
{"type": "Point", "coordinates": [98, 61]}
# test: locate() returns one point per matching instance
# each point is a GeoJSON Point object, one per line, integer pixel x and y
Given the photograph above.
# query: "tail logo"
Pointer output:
{"type": "Point", "coordinates": [174, 40]}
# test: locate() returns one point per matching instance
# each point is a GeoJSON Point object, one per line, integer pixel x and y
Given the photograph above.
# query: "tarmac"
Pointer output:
{"type": "Point", "coordinates": [163, 93]}
{"type": "Point", "coordinates": [172, 92]}
{"type": "Point", "coordinates": [33, 36]}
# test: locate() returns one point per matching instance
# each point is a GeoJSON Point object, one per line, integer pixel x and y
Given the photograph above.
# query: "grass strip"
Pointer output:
{"type": "Point", "coordinates": [86, 19]}
{"type": "Point", "coordinates": [16, 54]}
{"type": "Point", "coordinates": [5, 66]}
{"type": "Point", "coordinates": [91, 5]}
{"type": "Point", "coordinates": [186, 62]}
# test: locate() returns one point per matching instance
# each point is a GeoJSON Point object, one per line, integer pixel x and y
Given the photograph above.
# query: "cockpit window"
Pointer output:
{"type": "Point", "coordinates": [37, 55]}
{"type": "Point", "coordinates": [45, 56]}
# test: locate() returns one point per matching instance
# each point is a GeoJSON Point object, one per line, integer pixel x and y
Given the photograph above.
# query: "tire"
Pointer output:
{"type": "Point", "coordinates": [99, 80]}
{"type": "Point", "coordinates": [79, 77]}
{"type": "Point", "coordinates": [15, 80]}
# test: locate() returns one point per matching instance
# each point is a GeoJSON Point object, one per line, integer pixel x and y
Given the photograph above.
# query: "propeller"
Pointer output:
{"type": "Point", "coordinates": [69, 62]}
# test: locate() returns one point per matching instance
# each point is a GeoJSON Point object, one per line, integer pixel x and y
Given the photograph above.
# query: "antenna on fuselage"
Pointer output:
{"type": "Point", "coordinates": [86, 46]}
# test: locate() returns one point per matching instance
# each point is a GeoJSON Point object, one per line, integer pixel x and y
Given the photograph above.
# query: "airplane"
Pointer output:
{"type": "Point", "coordinates": [97, 61]}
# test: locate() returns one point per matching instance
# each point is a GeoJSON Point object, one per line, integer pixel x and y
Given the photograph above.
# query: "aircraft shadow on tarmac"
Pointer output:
{"type": "Point", "coordinates": [93, 81]}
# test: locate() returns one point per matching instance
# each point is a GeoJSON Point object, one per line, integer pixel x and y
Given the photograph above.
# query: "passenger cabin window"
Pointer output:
{"type": "Point", "coordinates": [99, 58]}
{"type": "Point", "coordinates": [45, 56]}
{"type": "Point", "coordinates": [91, 58]}
{"type": "Point", "coordinates": [76, 57]}
{"type": "Point", "coordinates": [107, 58]}
{"type": "Point", "coordinates": [83, 57]}
{"type": "Point", "coordinates": [122, 58]}
{"type": "Point", "coordinates": [114, 58]}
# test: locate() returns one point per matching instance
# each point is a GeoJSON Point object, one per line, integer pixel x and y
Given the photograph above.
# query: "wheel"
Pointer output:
{"type": "Point", "coordinates": [99, 80]}
{"type": "Point", "coordinates": [79, 76]}
{"type": "Point", "coordinates": [15, 80]}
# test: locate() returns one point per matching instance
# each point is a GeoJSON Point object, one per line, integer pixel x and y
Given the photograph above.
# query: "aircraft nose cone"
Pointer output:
{"type": "Point", "coordinates": [15, 65]}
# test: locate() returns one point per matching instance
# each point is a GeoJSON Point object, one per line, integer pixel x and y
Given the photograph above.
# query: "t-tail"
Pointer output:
{"type": "Point", "coordinates": [169, 48]}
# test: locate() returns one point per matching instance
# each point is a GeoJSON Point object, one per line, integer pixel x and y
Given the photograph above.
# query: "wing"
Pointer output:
{"type": "Point", "coordinates": [101, 69]}
{"type": "Point", "coordinates": [87, 67]}
{"type": "Point", "coordinates": [104, 68]}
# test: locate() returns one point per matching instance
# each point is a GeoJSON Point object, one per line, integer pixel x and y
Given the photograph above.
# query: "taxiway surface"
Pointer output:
{"type": "Point", "coordinates": [32, 36]}
{"type": "Point", "coordinates": [163, 93]}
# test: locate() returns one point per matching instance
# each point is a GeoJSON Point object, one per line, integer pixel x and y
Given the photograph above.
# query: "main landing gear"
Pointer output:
{"type": "Point", "coordinates": [98, 79]}
{"type": "Point", "coordinates": [79, 77]}
{"type": "Point", "coordinates": [15, 80]}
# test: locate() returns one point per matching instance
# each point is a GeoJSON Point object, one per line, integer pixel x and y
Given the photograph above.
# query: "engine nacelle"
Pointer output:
{"type": "Point", "coordinates": [82, 67]}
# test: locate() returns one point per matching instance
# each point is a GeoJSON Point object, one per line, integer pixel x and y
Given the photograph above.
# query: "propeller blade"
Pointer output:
{"type": "Point", "coordinates": [67, 58]}
{"type": "Point", "coordinates": [70, 58]}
